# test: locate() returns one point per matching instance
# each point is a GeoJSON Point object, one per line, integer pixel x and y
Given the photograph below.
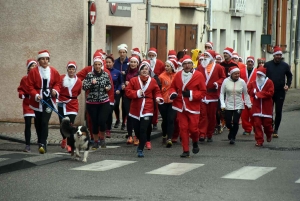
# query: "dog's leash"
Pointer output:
{"type": "Point", "coordinates": [44, 102]}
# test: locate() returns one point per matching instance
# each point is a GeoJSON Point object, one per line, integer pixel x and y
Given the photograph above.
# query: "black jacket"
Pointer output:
{"type": "Point", "coordinates": [279, 73]}
{"type": "Point", "coordinates": [227, 65]}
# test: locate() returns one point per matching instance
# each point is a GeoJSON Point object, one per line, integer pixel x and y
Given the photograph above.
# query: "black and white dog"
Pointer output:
{"type": "Point", "coordinates": [79, 136]}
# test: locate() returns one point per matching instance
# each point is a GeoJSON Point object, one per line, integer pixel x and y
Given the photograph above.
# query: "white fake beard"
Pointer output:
{"type": "Point", "coordinates": [186, 76]}
{"type": "Point", "coordinates": [68, 82]}
{"type": "Point", "coordinates": [260, 81]}
{"type": "Point", "coordinates": [45, 72]}
{"type": "Point", "coordinates": [205, 62]}
{"type": "Point", "coordinates": [152, 62]}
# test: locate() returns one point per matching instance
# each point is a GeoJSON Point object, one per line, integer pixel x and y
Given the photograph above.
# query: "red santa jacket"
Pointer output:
{"type": "Point", "coordinates": [213, 81]}
{"type": "Point", "coordinates": [35, 86]}
{"type": "Point", "coordinates": [68, 95]}
{"type": "Point", "coordinates": [82, 74]}
{"type": "Point", "coordinates": [197, 88]}
{"type": "Point", "coordinates": [24, 94]}
{"type": "Point", "coordinates": [142, 106]}
{"type": "Point", "coordinates": [159, 67]}
{"type": "Point", "coordinates": [262, 104]}
{"type": "Point", "coordinates": [248, 78]}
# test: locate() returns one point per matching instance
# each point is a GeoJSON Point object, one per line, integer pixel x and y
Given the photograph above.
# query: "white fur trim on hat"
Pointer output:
{"type": "Point", "coordinates": [72, 65]}
{"type": "Point", "coordinates": [261, 73]}
{"type": "Point", "coordinates": [31, 63]}
{"type": "Point", "coordinates": [137, 53]}
{"type": "Point", "coordinates": [209, 55]}
{"type": "Point", "coordinates": [44, 54]}
{"type": "Point", "coordinates": [187, 60]}
{"type": "Point", "coordinates": [172, 56]}
{"type": "Point", "coordinates": [278, 52]}
{"type": "Point", "coordinates": [171, 64]}
{"type": "Point", "coordinates": [235, 56]}
{"type": "Point", "coordinates": [251, 60]}
{"type": "Point", "coordinates": [135, 59]}
{"type": "Point", "coordinates": [234, 70]}
{"type": "Point", "coordinates": [228, 52]}
{"type": "Point", "coordinates": [98, 59]}
{"type": "Point", "coordinates": [122, 47]}
{"type": "Point", "coordinates": [152, 52]}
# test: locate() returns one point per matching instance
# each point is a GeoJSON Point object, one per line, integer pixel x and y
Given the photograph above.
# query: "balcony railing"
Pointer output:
{"type": "Point", "coordinates": [237, 7]}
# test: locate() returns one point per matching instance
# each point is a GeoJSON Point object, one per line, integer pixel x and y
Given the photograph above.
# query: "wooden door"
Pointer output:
{"type": "Point", "coordinates": [185, 37]}
{"type": "Point", "coordinates": [158, 40]}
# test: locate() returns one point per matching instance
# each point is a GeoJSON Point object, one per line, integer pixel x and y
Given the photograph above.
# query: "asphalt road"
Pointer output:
{"type": "Point", "coordinates": [219, 172]}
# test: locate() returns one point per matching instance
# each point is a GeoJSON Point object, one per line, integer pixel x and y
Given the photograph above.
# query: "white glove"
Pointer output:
{"type": "Point", "coordinates": [216, 84]}
{"type": "Point", "coordinates": [254, 91]}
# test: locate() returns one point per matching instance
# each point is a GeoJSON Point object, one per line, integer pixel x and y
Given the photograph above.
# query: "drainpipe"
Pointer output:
{"type": "Point", "coordinates": [297, 51]}
{"type": "Point", "coordinates": [292, 34]}
{"type": "Point", "coordinates": [274, 23]}
{"type": "Point", "coordinates": [210, 21]}
{"type": "Point", "coordinates": [149, 24]}
{"type": "Point", "coordinates": [265, 24]}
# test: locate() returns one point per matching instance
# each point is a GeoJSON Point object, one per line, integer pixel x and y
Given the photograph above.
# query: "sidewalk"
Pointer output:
{"type": "Point", "coordinates": [15, 131]}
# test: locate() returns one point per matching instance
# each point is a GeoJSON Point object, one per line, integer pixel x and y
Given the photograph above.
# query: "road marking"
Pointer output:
{"type": "Point", "coordinates": [104, 165]}
{"type": "Point", "coordinates": [249, 173]}
{"type": "Point", "coordinates": [298, 181]}
{"type": "Point", "coordinates": [175, 169]}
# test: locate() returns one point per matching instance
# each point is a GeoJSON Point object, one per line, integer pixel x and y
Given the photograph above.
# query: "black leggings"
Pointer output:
{"type": "Point", "coordinates": [42, 122]}
{"type": "Point", "coordinates": [278, 100]}
{"type": "Point", "coordinates": [129, 125]}
{"type": "Point", "coordinates": [142, 129]}
{"type": "Point", "coordinates": [117, 105]}
{"type": "Point", "coordinates": [168, 117]}
{"type": "Point", "coordinates": [110, 118]}
{"type": "Point", "coordinates": [124, 115]}
{"type": "Point", "coordinates": [99, 114]}
{"type": "Point", "coordinates": [232, 118]}
{"type": "Point", "coordinates": [70, 140]}
{"type": "Point", "coordinates": [27, 131]}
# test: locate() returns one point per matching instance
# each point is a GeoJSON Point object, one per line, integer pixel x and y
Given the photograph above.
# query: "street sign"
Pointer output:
{"type": "Point", "coordinates": [126, 1]}
{"type": "Point", "coordinates": [93, 13]}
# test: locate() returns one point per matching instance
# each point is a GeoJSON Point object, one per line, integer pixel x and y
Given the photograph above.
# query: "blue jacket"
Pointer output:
{"type": "Point", "coordinates": [119, 66]}
{"type": "Point", "coordinates": [117, 79]}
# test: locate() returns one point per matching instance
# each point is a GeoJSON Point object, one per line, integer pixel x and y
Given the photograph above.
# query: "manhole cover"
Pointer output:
{"type": "Point", "coordinates": [283, 148]}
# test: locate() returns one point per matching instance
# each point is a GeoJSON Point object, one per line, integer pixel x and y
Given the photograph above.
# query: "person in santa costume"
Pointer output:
{"type": "Point", "coordinates": [135, 52]}
{"type": "Point", "coordinates": [248, 74]}
{"type": "Point", "coordinates": [261, 62]}
{"type": "Point", "coordinates": [208, 46]}
{"type": "Point", "coordinates": [97, 102]}
{"type": "Point", "coordinates": [68, 105]}
{"type": "Point", "coordinates": [213, 75]}
{"type": "Point", "coordinates": [261, 91]}
{"type": "Point", "coordinates": [187, 90]}
{"type": "Point", "coordinates": [82, 75]}
{"type": "Point", "coordinates": [168, 114]}
{"type": "Point", "coordinates": [142, 91]}
{"type": "Point", "coordinates": [43, 84]}
{"type": "Point", "coordinates": [228, 61]}
{"type": "Point", "coordinates": [28, 113]}
{"type": "Point", "coordinates": [231, 97]}
{"type": "Point", "coordinates": [236, 59]}
{"type": "Point", "coordinates": [157, 67]}
{"type": "Point", "coordinates": [172, 54]}
{"type": "Point", "coordinates": [219, 58]}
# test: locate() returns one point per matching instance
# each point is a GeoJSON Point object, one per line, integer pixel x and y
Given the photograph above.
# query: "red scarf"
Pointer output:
{"type": "Point", "coordinates": [144, 78]}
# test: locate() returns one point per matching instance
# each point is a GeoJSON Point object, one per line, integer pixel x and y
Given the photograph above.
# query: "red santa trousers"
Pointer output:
{"type": "Point", "coordinates": [207, 121]}
{"type": "Point", "coordinates": [176, 130]}
{"type": "Point", "coordinates": [260, 122]}
{"type": "Point", "coordinates": [188, 124]}
{"type": "Point", "coordinates": [247, 120]}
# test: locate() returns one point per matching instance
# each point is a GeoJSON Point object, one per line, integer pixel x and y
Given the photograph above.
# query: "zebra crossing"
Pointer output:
{"type": "Point", "coordinates": [249, 173]}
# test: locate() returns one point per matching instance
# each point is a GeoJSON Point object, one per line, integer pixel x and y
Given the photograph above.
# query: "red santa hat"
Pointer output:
{"type": "Point", "coordinates": [233, 69]}
{"type": "Point", "coordinates": [30, 61]}
{"type": "Point", "coordinates": [180, 62]}
{"type": "Point", "coordinates": [153, 50]}
{"type": "Point", "coordinates": [186, 58]}
{"type": "Point", "coordinates": [210, 53]}
{"type": "Point", "coordinates": [72, 63]}
{"type": "Point", "coordinates": [98, 59]}
{"type": "Point", "coordinates": [250, 58]}
{"type": "Point", "coordinates": [122, 47]}
{"type": "Point", "coordinates": [134, 58]}
{"type": "Point", "coordinates": [172, 54]}
{"type": "Point", "coordinates": [210, 44]}
{"type": "Point", "coordinates": [173, 63]}
{"type": "Point", "coordinates": [277, 50]}
{"type": "Point", "coordinates": [235, 55]}
{"type": "Point", "coordinates": [218, 56]}
{"type": "Point", "coordinates": [228, 50]}
{"type": "Point", "coordinates": [99, 53]}
{"type": "Point", "coordinates": [136, 51]}
{"type": "Point", "coordinates": [262, 71]}
{"type": "Point", "coordinates": [201, 56]}
{"type": "Point", "coordinates": [43, 53]}
{"type": "Point", "coordinates": [145, 63]}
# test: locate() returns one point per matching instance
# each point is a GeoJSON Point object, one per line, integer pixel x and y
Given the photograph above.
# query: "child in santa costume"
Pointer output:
{"type": "Point", "coordinates": [261, 91]}
{"type": "Point", "coordinates": [142, 91]}
{"type": "Point", "coordinates": [27, 111]}
{"type": "Point", "coordinates": [68, 105]}
{"type": "Point", "coordinates": [82, 74]}
{"type": "Point", "coordinates": [43, 84]}
{"type": "Point", "coordinates": [248, 74]}
{"type": "Point", "coordinates": [157, 67]}
{"type": "Point", "coordinates": [168, 114]}
{"type": "Point", "coordinates": [231, 97]}
{"type": "Point", "coordinates": [187, 90]}
{"type": "Point", "coordinates": [213, 75]}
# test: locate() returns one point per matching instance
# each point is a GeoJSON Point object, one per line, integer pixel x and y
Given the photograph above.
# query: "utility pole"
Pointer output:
{"type": "Point", "coordinates": [89, 35]}
{"type": "Point", "coordinates": [297, 47]}
{"type": "Point", "coordinates": [149, 23]}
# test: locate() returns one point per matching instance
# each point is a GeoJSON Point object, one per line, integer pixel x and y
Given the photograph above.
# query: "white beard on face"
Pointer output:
{"type": "Point", "coordinates": [205, 62]}
{"type": "Point", "coordinates": [152, 62]}
{"type": "Point", "coordinates": [45, 72]}
{"type": "Point", "coordinates": [260, 80]}
{"type": "Point", "coordinates": [186, 76]}
{"type": "Point", "coordinates": [68, 82]}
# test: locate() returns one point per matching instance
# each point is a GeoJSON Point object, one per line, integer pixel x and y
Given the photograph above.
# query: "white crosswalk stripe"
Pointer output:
{"type": "Point", "coordinates": [104, 165]}
{"type": "Point", "coordinates": [298, 181]}
{"type": "Point", "coordinates": [175, 169]}
{"type": "Point", "coordinates": [249, 173]}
